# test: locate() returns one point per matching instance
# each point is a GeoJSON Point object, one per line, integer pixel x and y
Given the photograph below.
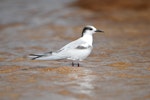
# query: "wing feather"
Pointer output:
{"type": "Point", "coordinates": [73, 45]}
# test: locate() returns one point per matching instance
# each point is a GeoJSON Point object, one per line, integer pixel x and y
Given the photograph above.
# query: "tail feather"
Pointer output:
{"type": "Point", "coordinates": [35, 56]}
{"type": "Point", "coordinates": [46, 56]}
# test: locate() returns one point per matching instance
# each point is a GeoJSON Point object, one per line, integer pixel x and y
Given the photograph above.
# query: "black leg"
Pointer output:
{"type": "Point", "coordinates": [78, 65]}
{"type": "Point", "coordinates": [72, 64]}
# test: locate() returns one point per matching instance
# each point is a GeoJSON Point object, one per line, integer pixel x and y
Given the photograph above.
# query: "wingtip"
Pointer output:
{"type": "Point", "coordinates": [33, 56]}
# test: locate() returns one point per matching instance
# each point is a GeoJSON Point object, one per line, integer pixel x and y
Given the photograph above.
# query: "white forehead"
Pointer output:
{"type": "Point", "coordinates": [91, 27]}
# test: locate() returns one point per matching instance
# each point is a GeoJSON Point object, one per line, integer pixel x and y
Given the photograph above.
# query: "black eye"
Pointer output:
{"type": "Point", "coordinates": [90, 29]}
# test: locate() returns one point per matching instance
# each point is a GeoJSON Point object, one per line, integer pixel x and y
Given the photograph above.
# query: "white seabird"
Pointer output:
{"type": "Point", "coordinates": [76, 50]}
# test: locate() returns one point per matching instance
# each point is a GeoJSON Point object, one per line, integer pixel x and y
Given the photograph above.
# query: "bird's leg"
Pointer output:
{"type": "Point", "coordinates": [78, 65]}
{"type": "Point", "coordinates": [72, 64]}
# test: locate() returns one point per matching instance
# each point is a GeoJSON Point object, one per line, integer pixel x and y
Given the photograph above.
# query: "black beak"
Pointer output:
{"type": "Point", "coordinates": [99, 31]}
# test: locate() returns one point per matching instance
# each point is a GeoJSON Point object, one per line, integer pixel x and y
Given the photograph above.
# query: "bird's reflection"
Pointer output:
{"type": "Point", "coordinates": [83, 81]}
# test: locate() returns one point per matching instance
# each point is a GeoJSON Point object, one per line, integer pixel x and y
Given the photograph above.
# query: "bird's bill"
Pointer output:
{"type": "Point", "coordinates": [99, 31]}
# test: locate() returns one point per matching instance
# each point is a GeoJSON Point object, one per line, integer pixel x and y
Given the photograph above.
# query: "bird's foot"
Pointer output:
{"type": "Point", "coordinates": [73, 64]}
{"type": "Point", "coordinates": [78, 65]}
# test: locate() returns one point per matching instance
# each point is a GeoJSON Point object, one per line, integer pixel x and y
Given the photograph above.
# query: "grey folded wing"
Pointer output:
{"type": "Point", "coordinates": [77, 44]}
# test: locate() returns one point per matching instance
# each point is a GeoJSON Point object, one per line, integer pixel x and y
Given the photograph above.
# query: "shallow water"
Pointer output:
{"type": "Point", "coordinates": [118, 68]}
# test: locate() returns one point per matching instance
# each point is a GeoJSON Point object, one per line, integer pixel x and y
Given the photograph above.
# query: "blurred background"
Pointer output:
{"type": "Point", "coordinates": [118, 68]}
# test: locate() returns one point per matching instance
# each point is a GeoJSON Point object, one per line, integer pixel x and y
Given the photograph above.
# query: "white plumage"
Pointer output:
{"type": "Point", "coordinates": [76, 50]}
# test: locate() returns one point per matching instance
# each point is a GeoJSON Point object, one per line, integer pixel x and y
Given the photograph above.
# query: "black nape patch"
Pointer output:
{"type": "Point", "coordinates": [84, 29]}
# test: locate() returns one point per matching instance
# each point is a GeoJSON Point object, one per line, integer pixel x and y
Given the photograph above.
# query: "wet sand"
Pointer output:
{"type": "Point", "coordinates": [117, 69]}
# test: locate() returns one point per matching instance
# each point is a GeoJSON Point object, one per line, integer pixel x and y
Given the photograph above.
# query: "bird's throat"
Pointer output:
{"type": "Point", "coordinates": [88, 38]}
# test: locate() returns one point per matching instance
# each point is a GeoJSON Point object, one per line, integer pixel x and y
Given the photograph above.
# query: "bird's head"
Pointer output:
{"type": "Point", "coordinates": [90, 30]}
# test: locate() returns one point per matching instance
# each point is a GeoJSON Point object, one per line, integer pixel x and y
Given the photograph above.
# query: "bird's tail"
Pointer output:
{"type": "Point", "coordinates": [46, 56]}
{"type": "Point", "coordinates": [35, 56]}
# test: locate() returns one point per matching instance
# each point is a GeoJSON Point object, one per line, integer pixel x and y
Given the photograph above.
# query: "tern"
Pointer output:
{"type": "Point", "coordinates": [76, 50]}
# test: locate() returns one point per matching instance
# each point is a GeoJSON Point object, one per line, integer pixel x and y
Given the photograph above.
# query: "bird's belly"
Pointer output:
{"type": "Point", "coordinates": [79, 54]}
